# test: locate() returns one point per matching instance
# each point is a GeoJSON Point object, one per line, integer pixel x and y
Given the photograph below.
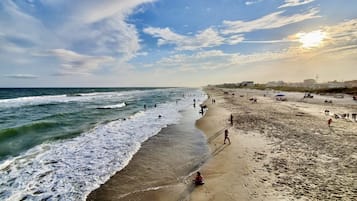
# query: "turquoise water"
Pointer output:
{"type": "Point", "coordinates": [56, 144]}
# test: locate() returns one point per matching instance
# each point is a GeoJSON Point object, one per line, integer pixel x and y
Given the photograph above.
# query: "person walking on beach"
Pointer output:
{"type": "Point", "coordinates": [329, 121]}
{"type": "Point", "coordinates": [226, 137]}
{"type": "Point", "coordinates": [232, 119]}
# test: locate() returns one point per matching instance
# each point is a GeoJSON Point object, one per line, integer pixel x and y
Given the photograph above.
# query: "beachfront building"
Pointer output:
{"type": "Point", "coordinates": [311, 83]}
{"type": "Point", "coordinates": [247, 84]}
{"type": "Point", "coordinates": [335, 84]}
{"type": "Point", "coordinates": [351, 84]}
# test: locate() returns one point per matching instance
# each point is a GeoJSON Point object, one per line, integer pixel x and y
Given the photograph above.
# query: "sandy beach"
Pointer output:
{"type": "Point", "coordinates": [280, 150]}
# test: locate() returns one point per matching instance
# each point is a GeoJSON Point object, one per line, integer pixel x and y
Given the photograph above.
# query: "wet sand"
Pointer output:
{"type": "Point", "coordinates": [162, 167]}
{"type": "Point", "coordinates": [280, 150]}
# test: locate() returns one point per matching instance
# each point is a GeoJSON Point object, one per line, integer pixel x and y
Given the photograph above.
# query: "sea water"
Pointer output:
{"type": "Point", "coordinates": [60, 144]}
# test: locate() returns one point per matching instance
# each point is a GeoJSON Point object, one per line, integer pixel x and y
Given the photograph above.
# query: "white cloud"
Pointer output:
{"type": "Point", "coordinates": [74, 63]}
{"type": "Point", "coordinates": [248, 3]}
{"type": "Point", "coordinates": [341, 37]}
{"type": "Point", "coordinates": [103, 27]}
{"type": "Point", "coordinates": [165, 35]}
{"type": "Point", "coordinates": [94, 27]}
{"type": "Point", "coordinates": [116, 37]}
{"type": "Point", "coordinates": [235, 39]}
{"type": "Point", "coordinates": [25, 27]}
{"type": "Point", "coordinates": [21, 76]}
{"type": "Point", "coordinates": [289, 3]}
{"type": "Point", "coordinates": [273, 20]}
{"type": "Point", "coordinates": [93, 11]}
{"type": "Point", "coordinates": [203, 39]}
{"type": "Point", "coordinates": [344, 32]}
{"type": "Point", "coordinates": [231, 33]}
{"type": "Point", "coordinates": [216, 59]}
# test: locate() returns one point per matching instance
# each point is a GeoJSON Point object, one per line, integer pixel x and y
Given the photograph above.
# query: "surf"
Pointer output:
{"type": "Point", "coordinates": [68, 169]}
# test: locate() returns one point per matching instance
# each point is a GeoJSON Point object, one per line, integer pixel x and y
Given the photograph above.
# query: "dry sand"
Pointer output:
{"type": "Point", "coordinates": [279, 150]}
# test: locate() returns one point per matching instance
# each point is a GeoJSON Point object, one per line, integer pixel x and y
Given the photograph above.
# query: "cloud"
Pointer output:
{"type": "Point", "coordinates": [248, 3]}
{"type": "Point", "coordinates": [217, 59]}
{"type": "Point", "coordinates": [231, 33]}
{"type": "Point", "coordinates": [290, 3]}
{"type": "Point", "coordinates": [93, 27]}
{"type": "Point", "coordinates": [343, 33]}
{"type": "Point", "coordinates": [203, 39]}
{"type": "Point", "coordinates": [341, 37]}
{"type": "Point", "coordinates": [74, 63]}
{"type": "Point", "coordinates": [165, 35]}
{"type": "Point", "coordinates": [115, 38]}
{"type": "Point", "coordinates": [267, 41]}
{"type": "Point", "coordinates": [21, 76]}
{"type": "Point", "coordinates": [93, 11]}
{"type": "Point", "coordinates": [23, 29]}
{"type": "Point", "coordinates": [102, 26]}
{"type": "Point", "coordinates": [271, 21]}
{"type": "Point", "coordinates": [235, 39]}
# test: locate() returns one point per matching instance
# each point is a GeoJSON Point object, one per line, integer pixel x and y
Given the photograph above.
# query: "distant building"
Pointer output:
{"type": "Point", "coordinates": [335, 84]}
{"type": "Point", "coordinates": [296, 84]}
{"type": "Point", "coordinates": [247, 84]}
{"type": "Point", "coordinates": [310, 83]}
{"type": "Point", "coordinates": [350, 84]}
{"type": "Point", "coordinates": [275, 84]}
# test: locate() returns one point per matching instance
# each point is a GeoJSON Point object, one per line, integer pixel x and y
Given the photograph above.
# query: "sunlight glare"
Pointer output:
{"type": "Point", "coordinates": [311, 39]}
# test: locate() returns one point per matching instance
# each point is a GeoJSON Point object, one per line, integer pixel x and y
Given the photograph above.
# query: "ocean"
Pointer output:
{"type": "Point", "coordinates": [61, 144]}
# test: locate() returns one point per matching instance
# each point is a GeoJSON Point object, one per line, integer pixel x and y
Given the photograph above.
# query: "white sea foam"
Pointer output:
{"type": "Point", "coordinates": [65, 98]}
{"type": "Point", "coordinates": [112, 106]}
{"type": "Point", "coordinates": [53, 99]}
{"type": "Point", "coordinates": [71, 169]}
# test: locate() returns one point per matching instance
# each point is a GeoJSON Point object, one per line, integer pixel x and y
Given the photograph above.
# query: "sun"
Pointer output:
{"type": "Point", "coordinates": [311, 39]}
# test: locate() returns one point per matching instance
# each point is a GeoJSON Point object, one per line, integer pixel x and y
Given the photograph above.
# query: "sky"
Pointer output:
{"type": "Point", "coordinates": [164, 43]}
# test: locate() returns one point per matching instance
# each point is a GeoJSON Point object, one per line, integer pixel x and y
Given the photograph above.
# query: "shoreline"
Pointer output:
{"type": "Point", "coordinates": [273, 154]}
{"type": "Point", "coordinates": [162, 167]}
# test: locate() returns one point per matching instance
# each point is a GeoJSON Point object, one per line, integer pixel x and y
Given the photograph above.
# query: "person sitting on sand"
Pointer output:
{"type": "Point", "coordinates": [226, 137]}
{"type": "Point", "coordinates": [198, 179]}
